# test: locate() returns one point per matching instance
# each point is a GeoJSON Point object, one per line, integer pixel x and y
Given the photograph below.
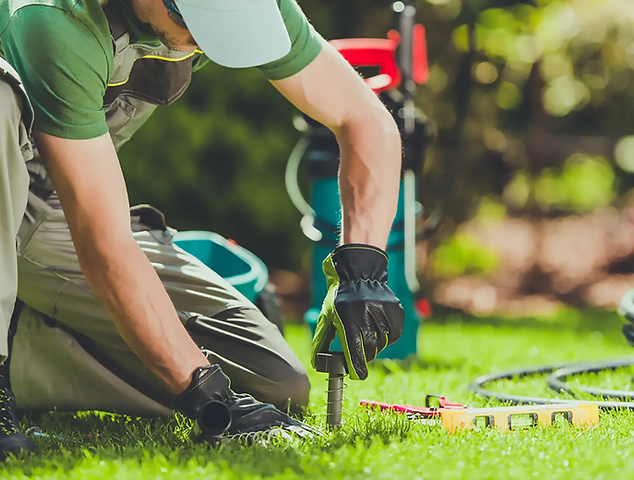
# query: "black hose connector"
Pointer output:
{"type": "Point", "coordinates": [214, 419]}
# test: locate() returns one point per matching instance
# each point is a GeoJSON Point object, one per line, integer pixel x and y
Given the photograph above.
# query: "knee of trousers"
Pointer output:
{"type": "Point", "coordinates": [285, 384]}
{"type": "Point", "coordinates": [292, 390]}
{"type": "Point", "coordinates": [253, 354]}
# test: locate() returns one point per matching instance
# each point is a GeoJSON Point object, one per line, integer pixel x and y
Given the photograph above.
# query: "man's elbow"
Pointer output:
{"type": "Point", "coordinates": [374, 120]}
{"type": "Point", "coordinates": [388, 125]}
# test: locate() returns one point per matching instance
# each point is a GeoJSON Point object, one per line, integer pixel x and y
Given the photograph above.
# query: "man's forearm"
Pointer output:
{"type": "Point", "coordinates": [89, 182]}
{"type": "Point", "coordinates": [123, 278]}
{"type": "Point", "coordinates": [331, 92]}
{"type": "Point", "coordinates": [369, 177]}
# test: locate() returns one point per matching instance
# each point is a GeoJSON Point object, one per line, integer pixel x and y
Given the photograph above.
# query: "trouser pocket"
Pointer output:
{"type": "Point", "coordinates": [146, 218]}
{"type": "Point", "coordinates": [36, 212]}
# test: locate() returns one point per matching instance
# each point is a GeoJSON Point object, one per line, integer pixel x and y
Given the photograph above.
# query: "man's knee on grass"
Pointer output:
{"type": "Point", "coordinates": [254, 354]}
{"type": "Point", "coordinates": [293, 391]}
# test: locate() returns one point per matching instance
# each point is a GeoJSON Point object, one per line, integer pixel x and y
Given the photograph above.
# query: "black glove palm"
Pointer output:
{"type": "Point", "coordinates": [359, 307]}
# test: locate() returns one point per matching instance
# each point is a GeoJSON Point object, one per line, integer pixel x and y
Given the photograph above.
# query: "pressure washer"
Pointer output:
{"type": "Point", "coordinates": [400, 66]}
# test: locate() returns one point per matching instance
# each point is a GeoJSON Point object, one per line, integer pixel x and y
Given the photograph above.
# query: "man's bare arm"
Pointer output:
{"type": "Point", "coordinates": [331, 92]}
{"type": "Point", "coordinates": [90, 185]}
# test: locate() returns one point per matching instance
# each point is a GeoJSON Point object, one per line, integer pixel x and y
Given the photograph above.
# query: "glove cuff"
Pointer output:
{"type": "Point", "coordinates": [358, 261]}
{"type": "Point", "coordinates": [209, 383]}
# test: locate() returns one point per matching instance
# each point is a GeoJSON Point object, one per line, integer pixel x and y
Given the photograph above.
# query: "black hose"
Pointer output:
{"type": "Point", "coordinates": [557, 373]}
{"type": "Point", "coordinates": [556, 379]}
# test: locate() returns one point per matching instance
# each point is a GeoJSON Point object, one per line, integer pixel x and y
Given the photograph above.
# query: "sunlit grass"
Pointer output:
{"type": "Point", "coordinates": [372, 445]}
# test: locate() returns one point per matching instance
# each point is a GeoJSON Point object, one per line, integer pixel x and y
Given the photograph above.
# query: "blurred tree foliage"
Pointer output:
{"type": "Point", "coordinates": [462, 254]}
{"type": "Point", "coordinates": [551, 99]}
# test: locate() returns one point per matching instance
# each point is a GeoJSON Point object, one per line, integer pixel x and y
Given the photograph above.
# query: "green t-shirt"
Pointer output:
{"type": "Point", "coordinates": [63, 52]}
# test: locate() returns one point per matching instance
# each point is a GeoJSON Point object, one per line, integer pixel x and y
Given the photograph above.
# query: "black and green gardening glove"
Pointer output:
{"type": "Point", "coordinates": [359, 307]}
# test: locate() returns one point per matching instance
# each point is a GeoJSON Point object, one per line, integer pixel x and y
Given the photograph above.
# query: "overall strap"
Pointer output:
{"type": "Point", "coordinates": [149, 73]}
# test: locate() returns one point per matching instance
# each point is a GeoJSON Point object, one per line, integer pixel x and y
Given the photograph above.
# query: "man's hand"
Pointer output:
{"type": "Point", "coordinates": [218, 411]}
{"type": "Point", "coordinates": [359, 307]}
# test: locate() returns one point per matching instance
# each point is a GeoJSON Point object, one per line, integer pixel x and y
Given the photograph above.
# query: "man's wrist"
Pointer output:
{"type": "Point", "coordinates": [364, 238]}
{"type": "Point", "coordinates": [357, 261]}
{"type": "Point", "coordinates": [207, 383]}
{"type": "Point", "coordinates": [359, 246]}
{"type": "Point", "coordinates": [364, 229]}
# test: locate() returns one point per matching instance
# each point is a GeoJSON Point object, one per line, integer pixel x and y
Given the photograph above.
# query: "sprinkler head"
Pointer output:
{"type": "Point", "coordinates": [331, 363]}
{"type": "Point", "coordinates": [334, 364]}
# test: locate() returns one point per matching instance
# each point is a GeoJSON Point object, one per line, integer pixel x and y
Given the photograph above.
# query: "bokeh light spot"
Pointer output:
{"type": "Point", "coordinates": [485, 72]}
{"type": "Point", "coordinates": [624, 153]}
{"type": "Point", "coordinates": [398, 7]}
{"type": "Point", "coordinates": [509, 96]}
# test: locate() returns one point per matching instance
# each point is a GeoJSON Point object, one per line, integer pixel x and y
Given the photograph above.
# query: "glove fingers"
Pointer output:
{"type": "Point", "coordinates": [394, 319]}
{"type": "Point", "coordinates": [252, 416]}
{"type": "Point", "coordinates": [375, 333]}
{"type": "Point", "coordinates": [382, 332]}
{"type": "Point", "coordinates": [300, 431]}
{"type": "Point", "coordinates": [324, 336]}
{"type": "Point", "coordinates": [371, 346]}
{"type": "Point", "coordinates": [391, 335]}
{"type": "Point", "coordinates": [363, 342]}
{"type": "Point", "coordinates": [382, 340]}
{"type": "Point", "coordinates": [354, 350]}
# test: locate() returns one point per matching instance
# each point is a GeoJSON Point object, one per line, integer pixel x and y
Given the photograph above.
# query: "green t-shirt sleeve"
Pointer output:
{"type": "Point", "coordinates": [305, 43]}
{"type": "Point", "coordinates": [64, 70]}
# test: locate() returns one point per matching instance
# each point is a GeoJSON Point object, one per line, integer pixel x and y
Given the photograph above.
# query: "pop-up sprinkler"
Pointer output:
{"type": "Point", "coordinates": [334, 364]}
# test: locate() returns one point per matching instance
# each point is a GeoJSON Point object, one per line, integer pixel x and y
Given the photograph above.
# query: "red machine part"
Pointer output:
{"type": "Point", "coordinates": [420, 72]}
{"type": "Point", "coordinates": [378, 52]}
{"type": "Point", "coordinates": [423, 308]}
{"type": "Point", "coordinates": [427, 411]}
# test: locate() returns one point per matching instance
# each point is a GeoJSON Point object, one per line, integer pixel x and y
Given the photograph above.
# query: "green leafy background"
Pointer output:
{"type": "Point", "coordinates": [547, 127]}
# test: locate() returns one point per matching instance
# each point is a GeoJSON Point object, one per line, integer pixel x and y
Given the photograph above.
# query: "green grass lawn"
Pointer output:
{"type": "Point", "coordinates": [371, 445]}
